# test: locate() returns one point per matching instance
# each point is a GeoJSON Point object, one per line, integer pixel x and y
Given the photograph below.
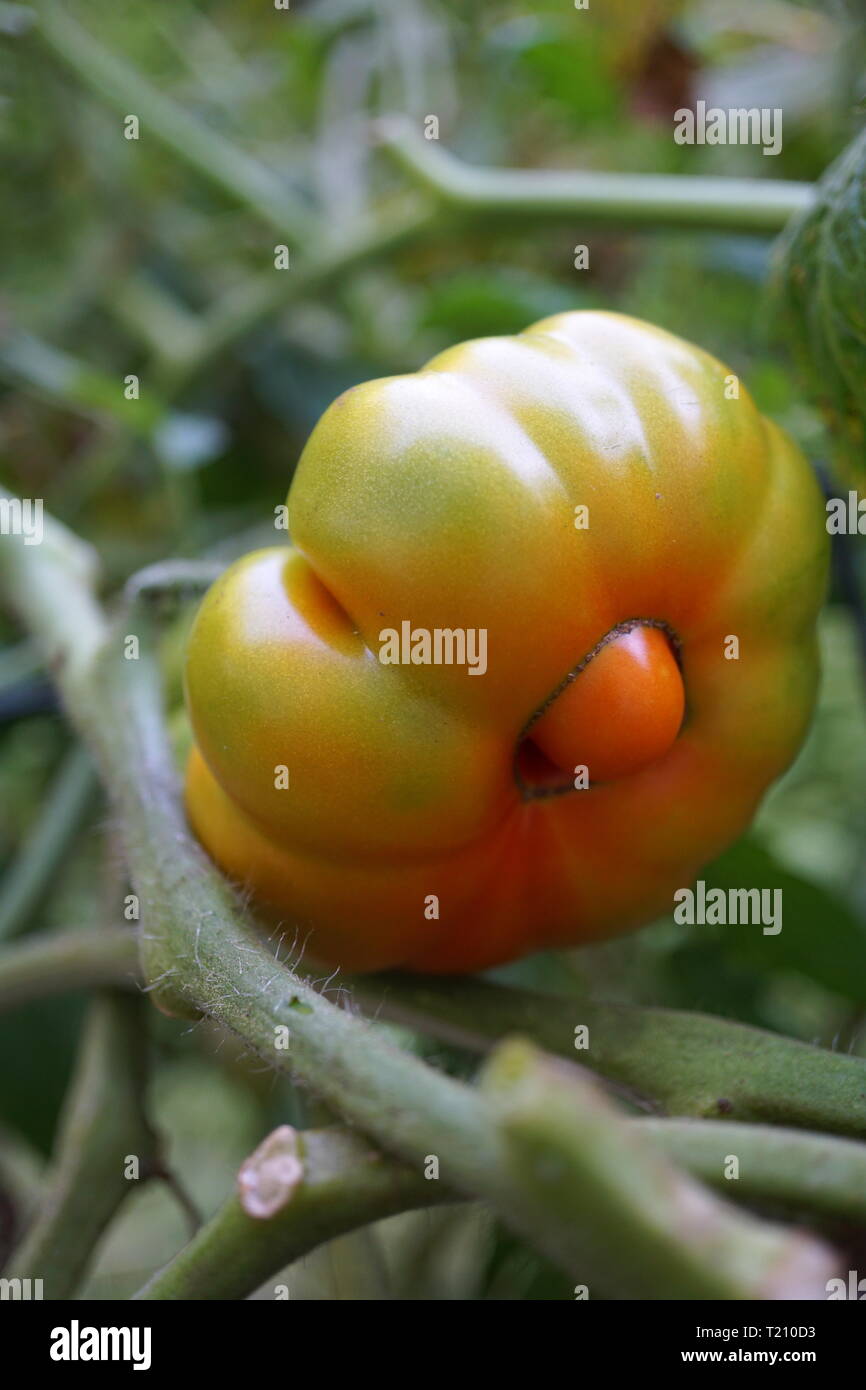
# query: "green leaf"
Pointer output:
{"type": "Point", "coordinates": [486, 302]}
{"type": "Point", "coordinates": [821, 937]}
{"type": "Point", "coordinates": [820, 290]}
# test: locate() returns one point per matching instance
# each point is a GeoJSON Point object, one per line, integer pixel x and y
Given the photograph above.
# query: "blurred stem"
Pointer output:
{"type": "Point", "coordinates": [56, 590]}
{"type": "Point", "coordinates": [75, 385]}
{"type": "Point", "coordinates": [172, 581]}
{"type": "Point", "coordinates": [642, 200]}
{"type": "Point", "coordinates": [258, 298]}
{"type": "Point", "coordinates": [105, 456]}
{"type": "Point", "coordinates": [57, 962]}
{"type": "Point", "coordinates": [204, 956]}
{"type": "Point", "coordinates": [345, 1185]}
{"type": "Point", "coordinates": [153, 315]}
{"type": "Point", "coordinates": [124, 425]}
{"type": "Point", "coordinates": [102, 1127]}
{"type": "Point", "coordinates": [43, 850]}
{"type": "Point", "coordinates": [648, 1231]}
{"type": "Point", "coordinates": [684, 1063]}
{"type": "Point", "coordinates": [193, 143]}
{"type": "Point", "coordinates": [807, 1172]}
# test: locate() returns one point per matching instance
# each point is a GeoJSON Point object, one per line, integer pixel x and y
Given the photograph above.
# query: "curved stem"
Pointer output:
{"type": "Point", "coordinates": [194, 144]}
{"type": "Point", "coordinates": [345, 1185]}
{"type": "Point", "coordinates": [682, 1063]}
{"type": "Point", "coordinates": [579, 1159]}
{"type": "Point", "coordinates": [102, 1129]}
{"type": "Point", "coordinates": [56, 962]}
{"type": "Point", "coordinates": [258, 298]}
{"type": "Point", "coordinates": [679, 1062]}
{"type": "Point", "coordinates": [172, 581]}
{"type": "Point", "coordinates": [37, 861]}
{"type": "Point", "coordinates": [643, 200]}
{"type": "Point", "coordinates": [204, 956]}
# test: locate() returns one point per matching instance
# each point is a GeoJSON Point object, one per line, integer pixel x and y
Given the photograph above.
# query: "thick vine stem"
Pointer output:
{"type": "Point", "coordinates": [579, 1158]}
{"type": "Point", "coordinates": [682, 1063]}
{"type": "Point", "coordinates": [345, 1185]}
{"type": "Point", "coordinates": [202, 955]}
{"type": "Point", "coordinates": [742, 205]}
{"type": "Point", "coordinates": [104, 1143]}
{"type": "Point", "coordinates": [679, 1063]}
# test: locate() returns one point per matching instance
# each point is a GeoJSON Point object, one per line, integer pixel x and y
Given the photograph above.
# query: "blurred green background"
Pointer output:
{"type": "Point", "coordinates": [155, 257]}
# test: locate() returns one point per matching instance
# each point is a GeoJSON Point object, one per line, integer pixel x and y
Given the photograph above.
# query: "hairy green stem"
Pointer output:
{"type": "Point", "coordinates": [644, 200]}
{"type": "Point", "coordinates": [203, 956]}
{"type": "Point", "coordinates": [103, 1131]}
{"type": "Point", "coordinates": [679, 1063]}
{"type": "Point", "coordinates": [682, 1063]}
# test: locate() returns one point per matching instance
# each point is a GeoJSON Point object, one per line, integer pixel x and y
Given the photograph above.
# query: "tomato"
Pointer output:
{"type": "Point", "coordinates": [544, 635]}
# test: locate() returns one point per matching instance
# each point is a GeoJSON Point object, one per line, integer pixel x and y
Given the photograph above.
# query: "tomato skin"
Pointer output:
{"type": "Point", "coordinates": [451, 500]}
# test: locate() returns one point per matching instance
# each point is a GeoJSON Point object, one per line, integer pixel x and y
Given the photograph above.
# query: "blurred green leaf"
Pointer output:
{"type": "Point", "coordinates": [42, 1039]}
{"type": "Point", "coordinates": [478, 303]}
{"type": "Point", "coordinates": [820, 282]}
{"type": "Point", "coordinates": [821, 937]}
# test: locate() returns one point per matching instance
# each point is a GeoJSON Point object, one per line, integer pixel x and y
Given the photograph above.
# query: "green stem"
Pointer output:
{"type": "Point", "coordinates": [57, 962]}
{"type": "Point", "coordinates": [76, 385]}
{"type": "Point", "coordinates": [43, 850]}
{"type": "Point", "coordinates": [203, 956]}
{"type": "Point", "coordinates": [56, 591]}
{"type": "Point", "coordinates": [643, 200]}
{"type": "Point", "coordinates": [345, 1185]}
{"type": "Point", "coordinates": [258, 298]}
{"type": "Point", "coordinates": [172, 581]}
{"type": "Point", "coordinates": [102, 1128]}
{"type": "Point", "coordinates": [683, 1063]}
{"type": "Point", "coordinates": [154, 316]}
{"type": "Point", "coordinates": [647, 1230]}
{"type": "Point", "coordinates": [194, 144]}
{"type": "Point", "coordinates": [805, 1172]}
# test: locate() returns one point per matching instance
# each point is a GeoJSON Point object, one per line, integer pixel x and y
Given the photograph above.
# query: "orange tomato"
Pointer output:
{"type": "Point", "coordinates": [544, 635]}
